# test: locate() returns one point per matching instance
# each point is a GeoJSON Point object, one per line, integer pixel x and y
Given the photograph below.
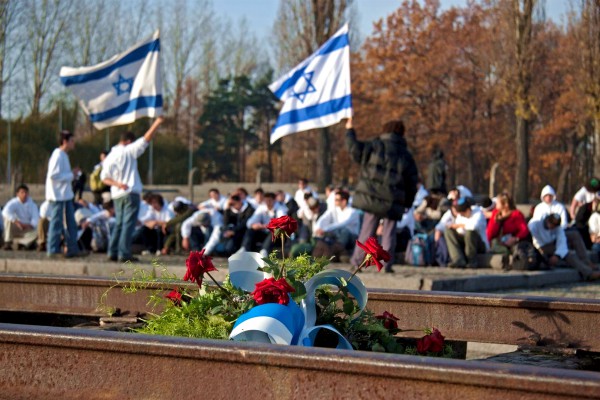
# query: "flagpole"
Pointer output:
{"type": "Point", "coordinates": [9, 132]}
{"type": "Point", "coordinates": [107, 139]}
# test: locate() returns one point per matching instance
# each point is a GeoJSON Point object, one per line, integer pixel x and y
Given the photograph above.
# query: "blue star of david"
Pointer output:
{"type": "Point", "coordinates": [123, 85]}
{"type": "Point", "coordinates": [309, 87]}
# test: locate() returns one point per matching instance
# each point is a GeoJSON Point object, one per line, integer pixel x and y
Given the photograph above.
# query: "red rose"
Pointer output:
{"type": "Point", "coordinates": [374, 252]}
{"type": "Point", "coordinates": [283, 224]}
{"type": "Point", "coordinates": [197, 264]}
{"type": "Point", "coordinates": [175, 297]}
{"type": "Point", "coordinates": [389, 320]}
{"type": "Point", "coordinates": [272, 291]}
{"type": "Point", "coordinates": [434, 342]}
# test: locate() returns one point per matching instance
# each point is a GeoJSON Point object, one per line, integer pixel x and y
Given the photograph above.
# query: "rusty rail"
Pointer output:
{"type": "Point", "coordinates": [43, 362]}
{"type": "Point", "coordinates": [461, 316]}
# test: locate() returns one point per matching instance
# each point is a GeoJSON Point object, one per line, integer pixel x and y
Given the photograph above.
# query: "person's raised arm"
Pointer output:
{"type": "Point", "coordinates": [150, 133]}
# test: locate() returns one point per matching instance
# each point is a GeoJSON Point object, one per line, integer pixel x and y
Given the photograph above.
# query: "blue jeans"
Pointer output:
{"type": "Point", "coordinates": [126, 216]}
{"type": "Point", "coordinates": [60, 211]}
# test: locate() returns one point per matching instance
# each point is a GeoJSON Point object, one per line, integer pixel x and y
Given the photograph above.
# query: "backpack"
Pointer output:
{"type": "Point", "coordinates": [418, 251]}
{"type": "Point", "coordinates": [525, 257]}
{"type": "Point", "coordinates": [96, 183]}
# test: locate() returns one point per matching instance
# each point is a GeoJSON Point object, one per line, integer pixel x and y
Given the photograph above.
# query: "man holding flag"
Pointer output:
{"type": "Point", "coordinates": [316, 93]}
{"type": "Point", "coordinates": [118, 92]}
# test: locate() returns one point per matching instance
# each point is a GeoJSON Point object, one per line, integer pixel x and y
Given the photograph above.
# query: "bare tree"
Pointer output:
{"type": "Point", "coordinates": [47, 23]}
{"type": "Point", "coordinates": [12, 45]}
{"type": "Point", "coordinates": [587, 33]}
{"type": "Point", "coordinates": [301, 27]}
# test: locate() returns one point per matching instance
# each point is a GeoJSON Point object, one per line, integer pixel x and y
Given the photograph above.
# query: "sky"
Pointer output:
{"type": "Point", "coordinates": [261, 14]}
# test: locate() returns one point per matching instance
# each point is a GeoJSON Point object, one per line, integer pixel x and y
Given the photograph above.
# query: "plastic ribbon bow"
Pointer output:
{"type": "Point", "coordinates": [286, 324]}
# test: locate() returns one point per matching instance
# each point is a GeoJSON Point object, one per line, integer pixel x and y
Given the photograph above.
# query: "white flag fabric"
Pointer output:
{"type": "Point", "coordinates": [122, 89]}
{"type": "Point", "coordinates": [316, 93]}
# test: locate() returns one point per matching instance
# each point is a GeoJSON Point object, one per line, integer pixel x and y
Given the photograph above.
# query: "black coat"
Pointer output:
{"type": "Point", "coordinates": [388, 175]}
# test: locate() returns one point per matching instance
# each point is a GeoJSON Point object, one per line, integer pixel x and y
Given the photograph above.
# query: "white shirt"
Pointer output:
{"type": "Point", "coordinates": [59, 177]}
{"type": "Point", "coordinates": [216, 220]}
{"type": "Point", "coordinates": [594, 223]}
{"type": "Point", "coordinates": [584, 196]}
{"type": "Point", "coordinates": [408, 220]}
{"type": "Point", "coordinates": [476, 222]}
{"type": "Point", "coordinates": [121, 166]}
{"type": "Point", "coordinates": [262, 215]}
{"type": "Point", "coordinates": [299, 196]}
{"type": "Point", "coordinates": [331, 200]}
{"type": "Point", "coordinates": [44, 210]}
{"type": "Point", "coordinates": [337, 218]}
{"type": "Point", "coordinates": [162, 215]}
{"type": "Point", "coordinates": [420, 196]}
{"type": "Point", "coordinates": [213, 204]}
{"type": "Point", "coordinates": [543, 209]}
{"type": "Point", "coordinates": [447, 219]}
{"type": "Point", "coordinates": [26, 213]}
{"type": "Point", "coordinates": [542, 236]}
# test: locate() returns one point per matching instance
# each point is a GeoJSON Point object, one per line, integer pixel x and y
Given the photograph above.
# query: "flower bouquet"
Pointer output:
{"type": "Point", "coordinates": [283, 301]}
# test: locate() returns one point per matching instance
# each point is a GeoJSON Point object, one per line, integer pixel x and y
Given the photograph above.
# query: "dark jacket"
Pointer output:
{"type": "Point", "coordinates": [388, 175]}
{"type": "Point", "coordinates": [237, 221]}
{"type": "Point", "coordinates": [436, 174]}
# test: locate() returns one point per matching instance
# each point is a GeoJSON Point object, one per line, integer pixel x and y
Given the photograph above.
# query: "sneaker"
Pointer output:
{"type": "Point", "coordinates": [158, 253]}
{"type": "Point", "coordinates": [7, 246]}
{"type": "Point", "coordinates": [146, 252]}
{"type": "Point", "coordinates": [112, 259]}
{"type": "Point", "coordinates": [594, 276]}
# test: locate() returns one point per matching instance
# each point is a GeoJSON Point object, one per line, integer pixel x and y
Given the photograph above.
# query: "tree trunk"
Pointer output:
{"type": "Point", "coordinates": [596, 146]}
{"type": "Point", "coordinates": [324, 176]}
{"type": "Point", "coordinates": [521, 189]}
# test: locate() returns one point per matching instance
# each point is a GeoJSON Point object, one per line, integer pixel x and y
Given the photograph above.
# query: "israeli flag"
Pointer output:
{"type": "Point", "coordinates": [317, 92]}
{"type": "Point", "coordinates": [120, 90]}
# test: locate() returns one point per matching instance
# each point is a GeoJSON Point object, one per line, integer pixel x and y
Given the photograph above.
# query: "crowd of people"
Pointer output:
{"type": "Point", "coordinates": [389, 201]}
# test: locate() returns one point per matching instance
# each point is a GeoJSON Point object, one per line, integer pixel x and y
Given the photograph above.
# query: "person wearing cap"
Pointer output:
{"type": "Point", "coordinates": [466, 237]}
{"type": "Point", "coordinates": [550, 240]}
{"type": "Point", "coordinates": [506, 226]}
{"type": "Point", "coordinates": [202, 231]}
{"type": "Point", "coordinates": [586, 194]}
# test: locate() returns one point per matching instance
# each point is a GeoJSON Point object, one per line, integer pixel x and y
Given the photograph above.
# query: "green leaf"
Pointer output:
{"type": "Point", "coordinates": [378, 348]}
{"type": "Point", "coordinates": [299, 290]}
{"type": "Point", "coordinates": [348, 307]}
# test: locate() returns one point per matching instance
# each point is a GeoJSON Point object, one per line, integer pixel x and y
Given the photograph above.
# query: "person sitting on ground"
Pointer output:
{"type": "Point", "coordinates": [549, 205]}
{"type": "Point", "coordinates": [154, 229]}
{"type": "Point", "coordinates": [288, 201]}
{"type": "Point", "coordinates": [303, 188]}
{"type": "Point", "coordinates": [181, 202]}
{"type": "Point", "coordinates": [182, 209]}
{"type": "Point", "coordinates": [257, 226]}
{"type": "Point", "coordinates": [309, 214]}
{"type": "Point", "coordinates": [21, 217]}
{"type": "Point", "coordinates": [235, 218]}
{"type": "Point", "coordinates": [506, 226]}
{"type": "Point", "coordinates": [405, 228]}
{"type": "Point", "coordinates": [96, 229]}
{"type": "Point", "coordinates": [550, 240]}
{"type": "Point", "coordinates": [586, 194]}
{"type": "Point", "coordinates": [215, 201]}
{"type": "Point", "coordinates": [420, 196]}
{"type": "Point", "coordinates": [594, 227]}
{"type": "Point", "coordinates": [258, 199]}
{"type": "Point", "coordinates": [340, 225]}
{"type": "Point", "coordinates": [466, 237]}
{"type": "Point", "coordinates": [330, 191]}
{"type": "Point", "coordinates": [582, 217]}
{"type": "Point", "coordinates": [202, 231]}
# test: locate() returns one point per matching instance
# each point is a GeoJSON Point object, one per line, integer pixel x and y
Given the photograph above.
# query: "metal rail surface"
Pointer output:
{"type": "Point", "coordinates": [461, 316]}
{"type": "Point", "coordinates": [44, 362]}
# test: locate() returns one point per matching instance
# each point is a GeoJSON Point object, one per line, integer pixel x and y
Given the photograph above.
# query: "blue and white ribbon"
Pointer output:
{"type": "Point", "coordinates": [288, 324]}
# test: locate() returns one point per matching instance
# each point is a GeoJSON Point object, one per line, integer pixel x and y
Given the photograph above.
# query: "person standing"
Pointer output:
{"type": "Point", "coordinates": [120, 172]}
{"type": "Point", "coordinates": [436, 174]}
{"type": "Point", "coordinates": [386, 187]}
{"type": "Point", "coordinates": [59, 194]}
